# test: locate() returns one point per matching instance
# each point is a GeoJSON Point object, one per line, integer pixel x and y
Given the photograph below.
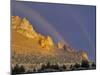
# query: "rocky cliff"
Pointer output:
{"type": "Point", "coordinates": [25, 28]}
{"type": "Point", "coordinates": [30, 47]}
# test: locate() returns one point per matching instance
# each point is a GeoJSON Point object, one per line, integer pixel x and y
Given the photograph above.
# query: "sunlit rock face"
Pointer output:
{"type": "Point", "coordinates": [24, 27]}
{"type": "Point", "coordinates": [16, 20]}
{"type": "Point", "coordinates": [85, 56]}
{"type": "Point", "coordinates": [46, 42]}
{"type": "Point", "coordinates": [60, 45]}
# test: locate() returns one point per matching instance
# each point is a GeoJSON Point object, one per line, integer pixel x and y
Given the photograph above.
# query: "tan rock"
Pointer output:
{"type": "Point", "coordinates": [15, 21]}
{"type": "Point", "coordinates": [60, 45]}
{"type": "Point", "coordinates": [24, 27]}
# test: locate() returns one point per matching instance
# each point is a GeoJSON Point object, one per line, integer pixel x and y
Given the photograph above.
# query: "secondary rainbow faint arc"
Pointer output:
{"type": "Point", "coordinates": [84, 31]}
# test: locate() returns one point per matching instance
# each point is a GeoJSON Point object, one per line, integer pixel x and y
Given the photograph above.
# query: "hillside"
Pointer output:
{"type": "Point", "coordinates": [31, 48]}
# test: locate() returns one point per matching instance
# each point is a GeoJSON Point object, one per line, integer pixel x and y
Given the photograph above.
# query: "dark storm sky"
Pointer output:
{"type": "Point", "coordinates": [76, 23]}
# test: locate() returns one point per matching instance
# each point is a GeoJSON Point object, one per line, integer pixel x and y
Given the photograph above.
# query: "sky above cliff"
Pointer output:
{"type": "Point", "coordinates": [75, 24]}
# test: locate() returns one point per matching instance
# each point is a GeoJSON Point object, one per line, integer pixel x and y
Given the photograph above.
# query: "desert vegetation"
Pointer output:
{"type": "Point", "coordinates": [48, 67]}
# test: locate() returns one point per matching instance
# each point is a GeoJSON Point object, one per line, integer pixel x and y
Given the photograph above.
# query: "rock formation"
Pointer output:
{"type": "Point", "coordinates": [24, 27]}
{"type": "Point", "coordinates": [30, 47]}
